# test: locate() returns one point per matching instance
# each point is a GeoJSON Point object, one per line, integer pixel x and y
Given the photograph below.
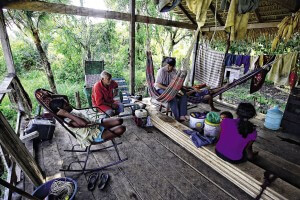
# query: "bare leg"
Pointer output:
{"type": "Point", "coordinates": [215, 90]}
{"type": "Point", "coordinates": [111, 122]}
{"type": "Point", "coordinates": [251, 155]}
{"type": "Point", "coordinates": [113, 132]}
{"type": "Point", "coordinates": [211, 103]}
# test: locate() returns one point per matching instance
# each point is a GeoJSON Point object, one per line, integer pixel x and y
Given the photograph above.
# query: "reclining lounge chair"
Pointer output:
{"type": "Point", "coordinates": [44, 98]}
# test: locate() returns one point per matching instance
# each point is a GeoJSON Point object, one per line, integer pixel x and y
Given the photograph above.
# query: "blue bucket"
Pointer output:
{"type": "Point", "coordinates": [43, 190]}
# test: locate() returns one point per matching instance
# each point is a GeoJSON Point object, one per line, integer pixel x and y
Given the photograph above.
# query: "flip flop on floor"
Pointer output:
{"type": "Point", "coordinates": [93, 178]}
{"type": "Point", "coordinates": [103, 181]}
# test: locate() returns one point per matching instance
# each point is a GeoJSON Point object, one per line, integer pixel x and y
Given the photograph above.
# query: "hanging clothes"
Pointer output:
{"type": "Point", "coordinates": [238, 60]}
{"type": "Point", "coordinates": [167, 5]}
{"type": "Point", "coordinates": [243, 60]}
{"type": "Point", "coordinates": [236, 24]}
{"type": "Point", "coordinates": [253, 60]}
{"type": "Point", "coordinates": [225, 5]}
{"type": "Point", "coordinates": [281, 69]}
{"type": "Point", "coordinates": [245, 6]}
{"type": "Point", "coordinates": [230, 59]}
{"type": "Point", "coordinates": [258, 80]}
{"type": "Point", "coordinates": [209, 66]}
{"type": "Point", "coordinates": [199, 8]}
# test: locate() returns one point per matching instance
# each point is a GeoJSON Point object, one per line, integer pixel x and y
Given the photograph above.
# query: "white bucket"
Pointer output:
{"type": "Point", "coordinates": [211, 129]}
{"type": "Point", "coordinates": [196, 123]}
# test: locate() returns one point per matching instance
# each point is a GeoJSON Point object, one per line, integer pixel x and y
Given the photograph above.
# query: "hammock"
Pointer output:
{"type": "Point", "coordinates": [172, 89]}
{"type": "Point", "coordinates": [177, 82]}
{"type": "Point", "coordinates": [266, 67]}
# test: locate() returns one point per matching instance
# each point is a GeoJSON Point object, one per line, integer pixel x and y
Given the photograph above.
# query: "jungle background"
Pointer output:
{"type": "Point", "coordinates": [49, 51]}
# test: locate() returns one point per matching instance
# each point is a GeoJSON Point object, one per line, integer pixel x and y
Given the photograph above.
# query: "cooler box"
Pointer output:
{"type": "Point", "coordinates": [45, 127]}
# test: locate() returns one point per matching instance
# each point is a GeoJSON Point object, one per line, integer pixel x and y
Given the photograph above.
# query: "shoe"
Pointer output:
{"type": "Point", "coordinates": [103, 180]}
{"type": "Point", "coordinates": [93, 178]}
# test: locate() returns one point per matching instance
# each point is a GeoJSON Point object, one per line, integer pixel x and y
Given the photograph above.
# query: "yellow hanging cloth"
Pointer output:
{"type": "Point", "coordinates": [199, 8]}
{"type": "Point", "coordinates": [236, 24]}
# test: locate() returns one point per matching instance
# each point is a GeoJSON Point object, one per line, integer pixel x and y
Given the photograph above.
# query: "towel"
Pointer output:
{"type": "Point", "coordinates": [253, 60]}
{"type": "Point", "coordinates": [198, 139]}
{"type": "Point", "coordinates": [208, 68]}
{"type": "Point", "coordinates": [281, 69]}
{"type": "Point", "coordinates": [236, 24]}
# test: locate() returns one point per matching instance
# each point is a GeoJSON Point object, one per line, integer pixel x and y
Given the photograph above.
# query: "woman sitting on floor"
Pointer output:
{"type": "Point", "coordinates": [86, 129]}
{"type": "Point", "coordinates": [237, 136]}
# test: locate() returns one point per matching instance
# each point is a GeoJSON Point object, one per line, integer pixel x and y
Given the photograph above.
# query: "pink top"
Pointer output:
{"type": "Point", "coordinates": [231, 143]}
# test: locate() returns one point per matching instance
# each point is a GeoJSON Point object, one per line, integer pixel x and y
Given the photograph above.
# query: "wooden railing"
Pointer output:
{"type": "Point", "coordinates": [13, 151]}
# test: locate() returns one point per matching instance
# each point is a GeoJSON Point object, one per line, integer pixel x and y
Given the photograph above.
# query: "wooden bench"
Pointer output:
{"type": "Point", "coordinates": [246, 176]}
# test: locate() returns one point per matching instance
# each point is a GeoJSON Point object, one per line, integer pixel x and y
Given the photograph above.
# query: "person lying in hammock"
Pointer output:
{"type": "Point", "coordinates": [86, 129]}
{"type": "Point", "coordinates": [205, 94]}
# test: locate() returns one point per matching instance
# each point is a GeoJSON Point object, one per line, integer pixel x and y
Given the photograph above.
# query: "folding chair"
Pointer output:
{"type": "Point", "coordinates": [44, 98]}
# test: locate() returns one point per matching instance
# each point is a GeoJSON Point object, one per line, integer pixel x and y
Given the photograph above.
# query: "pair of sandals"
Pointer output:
{"type": "Point", "coordinates": [93, 178]}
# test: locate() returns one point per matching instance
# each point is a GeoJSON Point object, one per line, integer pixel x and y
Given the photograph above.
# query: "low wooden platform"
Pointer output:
{"type": "Point", "coordinates": [248, 176]}
{"type": "Point", "coordinates": [156, 168]}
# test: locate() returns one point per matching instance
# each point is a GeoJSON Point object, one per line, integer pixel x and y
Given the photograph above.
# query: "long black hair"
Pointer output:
{"type": "Point", "coordinates": [245, 111]}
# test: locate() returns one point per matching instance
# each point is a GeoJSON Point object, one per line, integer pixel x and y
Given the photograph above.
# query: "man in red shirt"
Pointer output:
{"type": "Point", "coordinates": [103, 95]}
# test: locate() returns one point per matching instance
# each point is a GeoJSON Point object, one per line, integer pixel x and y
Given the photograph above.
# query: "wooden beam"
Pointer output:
{"type": "Point", "coordinates": [291, 5]}
{"type": "Point", "coordinates": [81, 11]}
{"type": "Point", "coordinates": [5, 45]}
{"type": "Point", "coordinates": [16, 149]}
{"type": "Point", "coordinates": [12, 188]}
{"type": "Point", "coordinates": [5, 84]}
{"type": "Point", "coordinates": [250, 26]}
{"type": "Point", "coordinates": [192, 77]}
{"type": "Point", "coordinates": [213, 10]}
{"type": "Point", "coordinates": [132, 49]}
{"type": "Point", "coordinates": [187, 14]}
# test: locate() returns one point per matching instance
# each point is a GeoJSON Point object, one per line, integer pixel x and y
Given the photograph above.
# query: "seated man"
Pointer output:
{"type": "Point", "coordinates": [163, 79]}
{"type": "Point", "coordinates": [103, 95]}
{"type": "Point", "coordinates": [85, 129]}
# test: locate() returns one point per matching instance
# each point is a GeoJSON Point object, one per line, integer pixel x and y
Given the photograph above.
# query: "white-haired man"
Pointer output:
{"type": "Point", "coordinates": [103, 95]}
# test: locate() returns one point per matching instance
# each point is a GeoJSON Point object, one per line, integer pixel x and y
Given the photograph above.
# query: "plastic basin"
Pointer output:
{"type": "Point", "coordinates": [43, 190]}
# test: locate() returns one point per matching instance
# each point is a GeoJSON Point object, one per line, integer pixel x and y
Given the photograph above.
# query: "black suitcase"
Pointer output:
{"type": "Point", "coordinates": [45, 127]}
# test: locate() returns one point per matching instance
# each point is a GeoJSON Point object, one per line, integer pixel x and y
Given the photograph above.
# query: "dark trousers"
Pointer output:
{"type": "Point", "coordinates": [178, 105]}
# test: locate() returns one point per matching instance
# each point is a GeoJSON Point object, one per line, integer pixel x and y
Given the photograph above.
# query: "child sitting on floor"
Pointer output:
{"type": "Point", "coordinates": [226, 114]}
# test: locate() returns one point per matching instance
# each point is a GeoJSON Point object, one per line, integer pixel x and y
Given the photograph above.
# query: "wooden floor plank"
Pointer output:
{"type": "Point", "coordinates": [167, 171]}
{"type": "Point", "coordinates": [207, 173]}
{"type": "Point", "coordinates": [175, 164]}
{"type": "Point", "coordinates": [141, 168]}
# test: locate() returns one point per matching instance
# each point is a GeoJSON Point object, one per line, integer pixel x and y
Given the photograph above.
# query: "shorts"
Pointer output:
{"type": "Point", "coordinates": [99, 136]}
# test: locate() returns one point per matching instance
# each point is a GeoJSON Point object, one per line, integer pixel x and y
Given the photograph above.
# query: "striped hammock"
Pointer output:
{"type": "Point", "coordinates": [172, 89]}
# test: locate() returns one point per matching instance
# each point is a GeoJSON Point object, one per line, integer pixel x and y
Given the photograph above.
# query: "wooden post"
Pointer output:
{"type": "Point", "coordinates": [5, 45]}
{"type": "Point", "coordinates": [223, 69]}
{"type": "Point", "coordinates": [13, 145]}
{"type": "Point", "coordinates": [132, 48]}
{"type": "Point", "coordinates": [17, 190]}
{"type": "Point", "coordinates": [192, 77]}
{"type": "Point", "coordinates": [77, 100]}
